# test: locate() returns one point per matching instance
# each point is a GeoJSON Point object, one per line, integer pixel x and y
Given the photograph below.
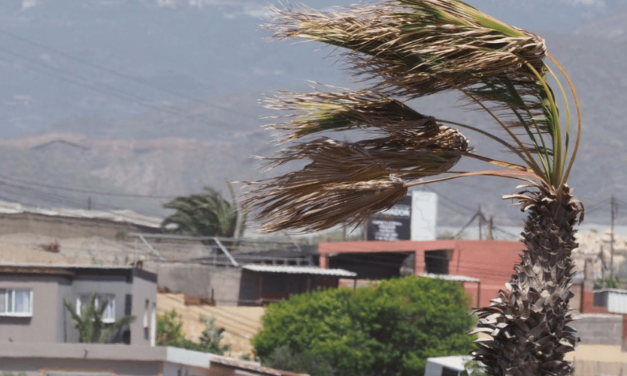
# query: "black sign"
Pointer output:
{"type": "Point", "coordinates": [392, 224]}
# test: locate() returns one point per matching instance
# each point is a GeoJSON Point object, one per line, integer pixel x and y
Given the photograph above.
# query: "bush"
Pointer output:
{"type": "Point", "coordinates": [170, 333]}
{"type": "Point", "coordinates": [390, 329]}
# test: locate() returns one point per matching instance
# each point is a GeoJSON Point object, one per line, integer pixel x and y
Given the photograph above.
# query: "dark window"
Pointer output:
{"type": "Point", "coordinates": [448, 371]}
{"type": "Point", "coordinates": [126, 337]}
{"type": "Point", "coordinates": [128, 305]}
{"type": "Point", "coordinates": [436, 262]}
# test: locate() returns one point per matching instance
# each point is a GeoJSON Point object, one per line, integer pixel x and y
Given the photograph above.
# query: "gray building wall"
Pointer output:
{"type": "Point", "coordinates": [50, 320]}
{"type": "Point", "coordinates": [199, 280]}
{"type": "Point", "coordinates": [40, 326]}
{"type": "Point", "coordinates": [599, 329]}
{"type": "Point", "coordinates": [64, 320]}
{"type": "Point", "coordinates": [144, 291]}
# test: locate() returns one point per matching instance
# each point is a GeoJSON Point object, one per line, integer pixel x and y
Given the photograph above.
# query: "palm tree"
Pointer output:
{"type": "Point", "coordinates": [207, 214]}
{"type": "Point", "coordinates": [408, 49]}
{"type": "Point", "coordinates": [89, 322]}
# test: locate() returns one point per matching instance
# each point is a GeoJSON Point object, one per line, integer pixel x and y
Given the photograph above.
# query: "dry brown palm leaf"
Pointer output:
{"type": "Point", "coordinates": [319, 111]}
{"type": "Point", "coordinates": [416, 48]}
{"type": "Point", "coordinates": [340, 170]}
{"type": "Point", "coordinates": [326, 205]}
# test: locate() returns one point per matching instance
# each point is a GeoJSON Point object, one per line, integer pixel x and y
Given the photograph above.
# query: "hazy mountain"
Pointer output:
{"type": "Point", "coordinates": [175, 51]}
{"type": "Point", "coordinates": [160, 97]}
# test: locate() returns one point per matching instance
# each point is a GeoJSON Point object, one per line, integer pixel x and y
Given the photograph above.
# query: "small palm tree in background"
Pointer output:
{"type": "Point", "coordinates": [207, 214]}
{"type": "Point", "coordinates": [408, 49]}
{"type": "Point", "coordinates": [89, 322]}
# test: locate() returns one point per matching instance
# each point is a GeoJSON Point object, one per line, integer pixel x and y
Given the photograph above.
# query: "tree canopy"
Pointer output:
{"type": "Point", "coordinates": [389, 329]}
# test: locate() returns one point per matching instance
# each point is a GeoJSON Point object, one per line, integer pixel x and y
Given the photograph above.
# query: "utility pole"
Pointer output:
{"type": "Point", "coordinates": [614, 211]}
{"type": "Point", "coordinates": [480, 220]}
{"type": "Point", "coordinates": [603, 267]}
{"type": "Point", "coordinates": [490, 227]}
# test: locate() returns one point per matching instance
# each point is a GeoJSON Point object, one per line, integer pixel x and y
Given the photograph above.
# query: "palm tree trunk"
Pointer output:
{"type": "Point", "coordinates": [529, 323]}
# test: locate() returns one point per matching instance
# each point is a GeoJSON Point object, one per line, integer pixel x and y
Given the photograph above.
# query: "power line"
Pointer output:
{"type": "Point", "coordinates": [23, 190]}
{"type": "Point", "coordinates": [457, 204]}
{"type": "Point", "coordinates": [112, 91]}
{"type": "Point", "coordinates": [122, 75]}
{"type": "Point", "coordinates": [79, 190]}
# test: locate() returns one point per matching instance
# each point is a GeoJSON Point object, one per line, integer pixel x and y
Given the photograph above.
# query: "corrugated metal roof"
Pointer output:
{"type": "Point", "coordinates": [450, 277]}
{"type": "Point", "coordinates": [456, 362]}
{"type": "Point", "coordinates": [289, 269]}
{"type": "Point", "coordinates": [123, 216]}
{"type": "Point", "coordinates": [617, 291]}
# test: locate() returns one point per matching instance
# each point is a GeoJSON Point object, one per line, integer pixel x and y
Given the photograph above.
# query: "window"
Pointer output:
{"type": "Point", "coordinates": [16, 302]}
{"type": "Point", "coordinates": [449, 372]}
{"type": "Point", "coordinates": [437, 262]}
{"type": "Point", "coordinates": [108, 316]}
{"type": "Point", "coordinates": [147, 314]}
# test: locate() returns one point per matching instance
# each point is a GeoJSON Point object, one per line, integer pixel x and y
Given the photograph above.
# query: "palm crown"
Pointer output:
{"type": "Point", "coordinates": [407, 49]}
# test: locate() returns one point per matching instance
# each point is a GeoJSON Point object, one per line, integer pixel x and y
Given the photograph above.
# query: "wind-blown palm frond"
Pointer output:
{"type": "Point", "coordinates": [207, 214]}
{"type": "Point", "coordinates": [415, 48]}
{"type": "Point", "coordinates": [346, 176]}
{"type": "Point", "coordinates": [328, 111]}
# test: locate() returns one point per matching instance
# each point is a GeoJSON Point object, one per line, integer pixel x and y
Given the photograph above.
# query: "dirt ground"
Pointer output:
{"type": "Point", "coordinates": [240, 323]}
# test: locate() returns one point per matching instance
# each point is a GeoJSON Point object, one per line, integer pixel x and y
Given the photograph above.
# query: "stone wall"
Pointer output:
{"type": "Point", "coordinates": [194, 279]}
{"type": "Point", "coordinates": [600, 329]}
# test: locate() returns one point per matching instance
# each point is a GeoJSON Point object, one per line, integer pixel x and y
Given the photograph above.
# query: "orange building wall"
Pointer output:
{"type": "Point", "coordinates": [491, 261]}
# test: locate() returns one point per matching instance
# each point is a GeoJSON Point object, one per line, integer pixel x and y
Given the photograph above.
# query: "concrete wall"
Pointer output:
{"type": "Point", "coordinates": [199, 280]}
{"type": "Point", "coordinates": [41, 367]}
{"type": "Point", "coordinates": [171, 369]}
{"type": "Point", "coordinates": [144, 291]}
{"type": "Point", "coordinates": [600, 329]}
{"type": "Point", "coordinates": [65, 227]}
{"type": "Point", "coordinates": [64, 320]}
{"type": "Point", "coordinates": [41, 326]}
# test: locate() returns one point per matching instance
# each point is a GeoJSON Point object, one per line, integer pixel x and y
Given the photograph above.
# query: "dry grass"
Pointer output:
{"type": "Point", "coordinates": [240, 323]}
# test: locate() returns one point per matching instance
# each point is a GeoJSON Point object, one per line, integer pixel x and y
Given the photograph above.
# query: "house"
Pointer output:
{"type": "Point", "coordinates": [32, 295]}
{"type": "Point", "coordinates": [62, 223]}
{"type": "Point", "coordinates": [481, 266]}
{"type": "Point", "coordinates": [235, 272]}
{"type": "Point", "coordinates": [263, 284]}
{"type": "Point", "coordinates": [38, 338]}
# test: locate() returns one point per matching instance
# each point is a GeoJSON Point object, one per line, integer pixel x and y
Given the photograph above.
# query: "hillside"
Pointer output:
{"type": "Point", "coordinates": [189, 118]}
